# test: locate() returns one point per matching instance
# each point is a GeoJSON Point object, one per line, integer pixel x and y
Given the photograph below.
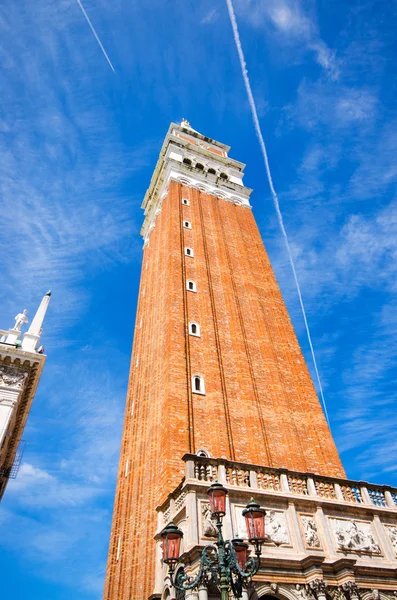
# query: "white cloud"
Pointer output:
{"type": "Point", "coordinates": [292, 24]}
{"type": "Point", "coordinates": [210, 17]}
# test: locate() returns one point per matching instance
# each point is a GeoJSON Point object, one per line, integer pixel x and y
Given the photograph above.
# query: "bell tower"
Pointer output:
{"type": "Point", "coordinates": [216, 367]}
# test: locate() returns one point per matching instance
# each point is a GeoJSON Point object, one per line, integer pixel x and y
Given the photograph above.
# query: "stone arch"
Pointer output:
{"type": "Point", "coordinates": [203, 453]}
{"type": "Point", "coordinates": [166, 595]}
{"type": "Point", "coordinates": [185, 181]}
{"type": "Point", "coordinates": [202, 188]}
{"type": "Point", "coordinates": [368, 595]}
{"type": "Point", "coordinates": [263, 591]}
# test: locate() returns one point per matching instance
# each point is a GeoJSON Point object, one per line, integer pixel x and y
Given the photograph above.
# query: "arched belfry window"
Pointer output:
{"type": "Point", "coordinates": [187, 162]}
{"type": "Point", "coordinates": [198, 386]}
{"type": "Point", "coordinates": [199, 166]}
{"type": "Point", "coordinates": [189, 252]}
{"type": "Point", "coordinates": [211, 171]}
{"type": "Point", "coordinates": [194, 329]}
{"type": "Point", "coordinates": [191, 285]}
{"type": "Point", "coordinates": [203, 453]}
{"type": "Point", "coordinates": [223, 176]}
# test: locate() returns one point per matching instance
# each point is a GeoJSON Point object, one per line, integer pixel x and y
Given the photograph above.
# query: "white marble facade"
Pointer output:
{"type": "Point", "coordinates": [340, 524]}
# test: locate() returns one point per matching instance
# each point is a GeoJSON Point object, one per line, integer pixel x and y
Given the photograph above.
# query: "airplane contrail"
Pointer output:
{"type": "Point", "coordinates": [96, 35]}
{"type": "Point", "coordinates": [258, 130]}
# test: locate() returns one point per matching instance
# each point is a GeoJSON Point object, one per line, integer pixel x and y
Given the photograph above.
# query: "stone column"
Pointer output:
{"type": "Point", "coordinates": [8, 401]}
{"type": "Point", "coordinates": [318, 588]}
{"type": "Point", "coordinates": [221, 474]}
{"type": "Point", "coordinates": [389, 499]}
{"type": "Point", "coordinates": [203, 592]}
{"type": "Point", "coordinates": [297, 532]}
{"type": "Point", "coordinates": [284, 482]}
{"type": "Point", "coordinates": [244, 595]}
{"type": "Point", "coordinates": [192, 520]}
{"type": "Point", "coordinates": [311, 488]}
{"type": "Point", "coordinates": [192, 595]}
{"type": "Point", "coordinates": [385, 543]}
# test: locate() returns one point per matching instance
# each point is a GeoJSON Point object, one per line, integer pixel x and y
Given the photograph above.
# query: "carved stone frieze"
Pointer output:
{"type": "Point", "coordinates": [336, 593]}
{"type": "Point", "coordinates": [276, 527]}
{"type": "Point", "coordinates": [310, 531]}
{"type": "Point", "coordinates": [12, 377]}
{"type": "Point", "coordinates": [317, 588]}
{"type": "Point", "coordinates": [208, 526]}
{"type": "Point", "coordinates": [300, 592]}
{"type": "Point", "coordinates": [354, 536]}
{"type": "Point", "coordinates": [392, 533]}
{"type": "Point", "coordinates": [350, 590]}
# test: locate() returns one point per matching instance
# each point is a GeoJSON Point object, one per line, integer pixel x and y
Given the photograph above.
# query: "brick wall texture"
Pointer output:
{"type": "Point", "coordinates": [260, 404]}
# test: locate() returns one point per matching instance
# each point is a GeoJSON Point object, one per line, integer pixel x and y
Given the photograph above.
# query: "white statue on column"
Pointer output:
{"type": "Point", "coordinates": [20, 319]}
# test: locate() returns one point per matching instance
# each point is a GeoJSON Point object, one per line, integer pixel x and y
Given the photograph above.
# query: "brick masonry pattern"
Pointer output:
{"type": "Point", "coordinates": [260, 405]}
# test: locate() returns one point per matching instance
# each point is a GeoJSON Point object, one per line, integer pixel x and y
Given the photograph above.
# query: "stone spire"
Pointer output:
{"type": "Point", "coordinates": [32, 336]}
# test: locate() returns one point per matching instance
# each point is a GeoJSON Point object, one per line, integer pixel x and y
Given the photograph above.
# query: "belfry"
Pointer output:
{"type": "Point", "coordinates": [219, 391]}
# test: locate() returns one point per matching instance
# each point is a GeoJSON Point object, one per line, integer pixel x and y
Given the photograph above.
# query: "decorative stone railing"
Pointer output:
{"type": "Point", "coordinates": [269, 480]}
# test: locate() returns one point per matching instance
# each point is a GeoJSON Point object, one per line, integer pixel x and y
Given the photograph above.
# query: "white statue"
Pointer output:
{"type": "Point", "coordinates": [20, 319]}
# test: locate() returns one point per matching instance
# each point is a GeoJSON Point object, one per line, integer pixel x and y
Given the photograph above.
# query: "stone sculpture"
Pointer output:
{"type": "Point", "coordinates": [392, 532]}
{"type": "Point", "coordinates": [11, 377]}
{"type": "Point", "coordinates": [20, 319]}
{"type": "Point", "coordinates": [310, 531]}
{"type": "Point", "coordinates": [275, 527]}
{"type": "Point", "coordinates": [208, 525]}
{"type": "Point", "coordinates": [355, 536]}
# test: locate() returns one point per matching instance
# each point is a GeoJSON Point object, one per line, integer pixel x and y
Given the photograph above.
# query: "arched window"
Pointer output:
{"type": "Point", "coordinates": [194, 329]}
{"type": "Point", "coordinates": [223, 176]}
{"type": "Point", "coordinates": [212, 171]}
{"type": "Point", "coordinates": [191, 285]}
{"type": "Point", "coordinates": [187, 161]}
{"type": "Point", "coordinates": [199, 166]}
{"type": "Point", "coordinates": [187, 224]}
{"type": "Point", "coordinates": [203, 453]}
{"type": "Point", "coordinates": [198, 386]}
{"type": "Point", "coordinates": [185, 201]}
{"type": "Point", "coordinates": [189, 252]}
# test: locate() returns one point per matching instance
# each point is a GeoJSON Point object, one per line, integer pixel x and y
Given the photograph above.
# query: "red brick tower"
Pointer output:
{"type": "Point", "coordinates": [216, 365]}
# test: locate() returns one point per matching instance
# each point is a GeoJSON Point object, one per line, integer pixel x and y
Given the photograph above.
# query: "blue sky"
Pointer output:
{"type": "Point", "coordinates": [78, 144]}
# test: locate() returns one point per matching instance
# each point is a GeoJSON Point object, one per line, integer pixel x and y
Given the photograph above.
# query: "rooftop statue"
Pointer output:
{"type": "Point", "coordinates": [20, 319]}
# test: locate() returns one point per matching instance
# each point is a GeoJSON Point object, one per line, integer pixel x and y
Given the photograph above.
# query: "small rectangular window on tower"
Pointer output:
{"type": "Point", "coordinates": [185, 201]}
{"type": "Point", "coordinates": [187, 224]}
{"type": "Point", "coordinates": [189, 252]}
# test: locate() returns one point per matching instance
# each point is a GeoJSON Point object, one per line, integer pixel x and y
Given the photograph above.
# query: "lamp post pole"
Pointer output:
{"type": "Point", "coordinates": [223, 566]}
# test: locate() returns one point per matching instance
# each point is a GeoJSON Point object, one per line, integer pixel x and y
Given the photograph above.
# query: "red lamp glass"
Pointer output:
{"type": "Point", "coordinates": [217, 497]}
{"type": "Point", "coordinates": [171, 545]}
{"type": "Point", "coordinates": [255, 522]}
{"type": "Point", "coordinates": [240, 549]}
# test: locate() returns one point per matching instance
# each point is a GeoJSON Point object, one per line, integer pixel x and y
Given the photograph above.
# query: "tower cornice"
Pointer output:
{"type": "Point", "coordinates": [183, 149]}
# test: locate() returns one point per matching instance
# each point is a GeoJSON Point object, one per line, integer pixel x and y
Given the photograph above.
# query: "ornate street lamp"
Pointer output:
{"type": "Point", "coordinates": [224, 563]}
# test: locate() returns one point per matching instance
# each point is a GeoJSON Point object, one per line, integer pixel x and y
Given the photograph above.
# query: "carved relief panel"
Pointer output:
{"type": "Point", "coordinates": [275, 526]}
{"type": "Point", "coordinates": [354, 536]}
{"type": "Point", "coordinates": [12, 377]}
{"type": "Point", "coordinates": [310, 531]}
{"type": "Point", "coordinates": [208, 527]}
{"type": "Point", "coordinates": [391, 531]}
